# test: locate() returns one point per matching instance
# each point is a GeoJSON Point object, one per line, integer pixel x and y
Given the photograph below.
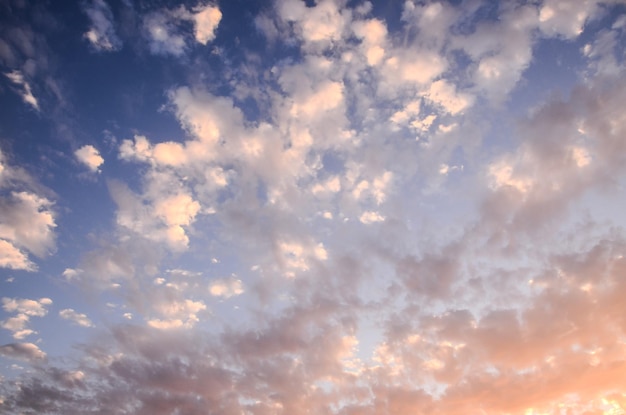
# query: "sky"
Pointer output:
{"type": "Point", "coordinates": [333, 207]}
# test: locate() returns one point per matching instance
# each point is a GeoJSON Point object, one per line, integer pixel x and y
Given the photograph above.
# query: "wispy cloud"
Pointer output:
{"type": "Point", "coordinates": [26, 92]}
{"type": "Point", "coordinates": [101, 34]}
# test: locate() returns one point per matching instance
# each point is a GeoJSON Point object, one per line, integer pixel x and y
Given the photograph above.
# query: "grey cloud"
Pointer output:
{"type": "Point", "coordinates": [23, 351]}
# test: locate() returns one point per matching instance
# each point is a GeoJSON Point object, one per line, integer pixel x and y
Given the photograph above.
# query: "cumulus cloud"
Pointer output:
{"type": "Point", "coordinates": [398, 240]}
{"type": "Point", "coordinates": [27, 221]}
{"type": "Point", "coordinates": [226, 288]}
{"type": "Point", "coordinates": [101, 34]}
{"type": "Point", "coordinates": [25, 309]}
{"type": "Point", "coordinates": [166, 36]}
{"type": "Point", "coordinates": [176, 314]}
{"type": "Point", "coordinates": [90, 157]}
{"type": "Point", "coordinates": [562, 18]}
{"type": "Point", "coordinates": [206, 20]}
{"type": "Point", "coordinates": [75, 317]}
{"type": "Point", "coordinates": [25, 306]}
{"type": "Point", "coordinates": [11, 257]}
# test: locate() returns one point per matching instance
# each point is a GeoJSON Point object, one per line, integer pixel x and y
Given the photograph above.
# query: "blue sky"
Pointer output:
{"type": "Point", "coordinates": [320, 207]}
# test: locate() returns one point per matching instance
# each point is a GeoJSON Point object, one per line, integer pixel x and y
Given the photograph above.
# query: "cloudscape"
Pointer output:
{"type": "Point", "coordinates": [323, 207]}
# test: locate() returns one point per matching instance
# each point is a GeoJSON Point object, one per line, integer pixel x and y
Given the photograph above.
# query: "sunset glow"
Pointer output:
{"type": "Point", "coordinates": [313, 207]}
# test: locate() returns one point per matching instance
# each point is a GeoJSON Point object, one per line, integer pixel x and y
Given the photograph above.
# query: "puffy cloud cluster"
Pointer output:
{"type": "Point", "coordinates": [26, 220]}
{"type": "Point", "coordinates": [165, 35]}
{"type": "Point", "coordinates": [24, 309]}
{"type": "Point", "coordinates": [384, 255]}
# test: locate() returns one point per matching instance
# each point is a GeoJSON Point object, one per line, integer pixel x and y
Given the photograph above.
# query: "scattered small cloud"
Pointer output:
{"type": "Point", "coordinates": [75, 317]}
{"type": "Point", "coordinates": [24, 309]}
{"type": "Point", "coordinates": [90, 157]}
{"type": "Point", "coordinates": [206, 20]}
{"type": "Point", "coordinates": [226, 287]}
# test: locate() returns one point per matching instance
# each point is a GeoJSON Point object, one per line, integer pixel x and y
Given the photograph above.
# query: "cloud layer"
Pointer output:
{"type": "Point", "coordinates": [328, 208]}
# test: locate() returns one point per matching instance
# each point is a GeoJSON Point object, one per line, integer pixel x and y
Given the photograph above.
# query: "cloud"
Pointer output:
{"type": "Point", "coordinates": [17, 325]}
{"type": "Point", "coordinates": [165, 219]}
{"type": "Point", "coordinates": [34, 308]}
{"type": "Point", "coordinates": [163, 28]}
{"type": "Point", "coordinates": [558, 17]}
{"type": "Point", "coordinates": [26, 93]}
{"type": "Point", "coordinates": [27, 221]}
{"type": "Point", "coordinates": [161, 32]}
{"type": "Point", "coordinates": [101, 34]}
{"type": "Point", "coordinates": [28, 352]}
{"type": "Point", "coordinates": [75, 317]}
{"type": "Point", "coordinates": [399, 238]}
{"type": "Point", "coordinates": [25, 309]}
{"type": "Point", "coordinates": [371, 217]}
{"type": "Point", "coordinates": [90, 157]}
{"type": "Point", "coordinates": [226, 288]}
{"type": "Point", "coordinates": [11, 257]}
{"type": "Point", "coordinates": [181, 313]}
{"type": "Point", "coordinates": [206, 20]}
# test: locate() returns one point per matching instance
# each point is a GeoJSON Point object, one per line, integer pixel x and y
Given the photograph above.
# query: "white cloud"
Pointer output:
{"type": "Point", "coordinates": [443, 93]}
{"type": "Point", "coordinates": [177, 211]}
{"type": "Point", "coordinates": [166, 36]}
{"type": "Point", "coordinates": [11, 257]}
{"type": "Point", "coordinates": [90, 157]}
{"type": "Point", "coordinates": [328, 186]}
{"type": "Point", "coordinates": [34, 308]}
{"type": "Point", "coordinates": [164, 219]}
{"type": "Point", "coordinates": [565, 18]}
{"type": "Point", "coordinates": [101, 34]}
{"type": "Point", "coordinates": [323, 23]}
{"type": "Point", "coordinates": [328, 97]}
{"type": "Point", "coordinates": [417, 67]}
{"type": "Point", "coordinates": [226, 288]}
{"type": "Point", "coordinates": [503, 173]}
{"type": "Point", "coordinates": [75, 317]}
{"type": "Point", "coordinates": [374, 34]}
{"type": "Point", "coordinates": [71, 274]}
{"type": "Point", "coordinates": [17, 325]}
{"type": "Point", "coordinates": [206, 20]}
{"type": "Point", "coordinates": [27, 222]}
{"type": "Point", "coordinates": [371, 217]}
{"type": "Point", "coordinates": [25, 309]}
{"type": "Point", "coordinates": [502, 52]}
{"type": "Point", "coordinates": [26, 93]}
{"type": "Point", "coordinates": [177, 313]}
{"type": "Point", "coordinates": [26, 219]}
